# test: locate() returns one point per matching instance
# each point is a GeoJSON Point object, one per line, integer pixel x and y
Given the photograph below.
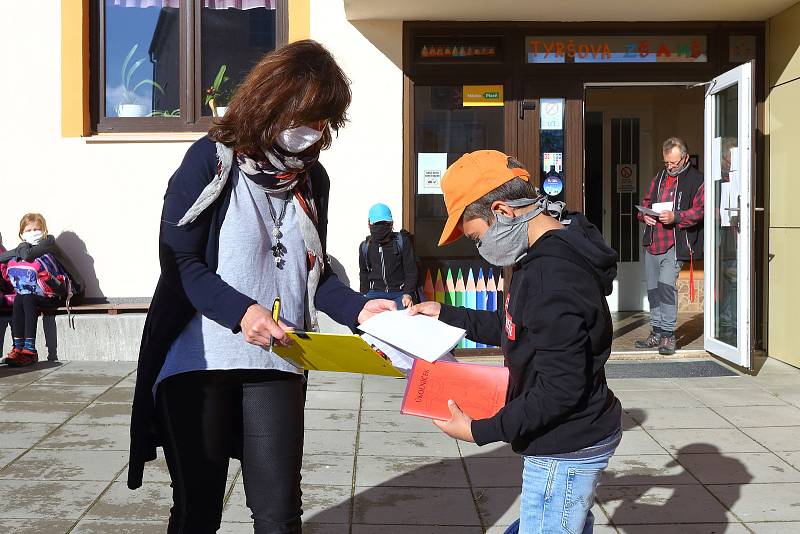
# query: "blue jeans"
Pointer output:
{"type": "Point", "coordinates": [396, 296]}
{"type": "Point", "coordinates": [558, 493]}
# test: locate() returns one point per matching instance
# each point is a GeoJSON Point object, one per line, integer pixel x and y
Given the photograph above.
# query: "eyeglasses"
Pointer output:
{"type": "Point", "coordinates": [670, 164]}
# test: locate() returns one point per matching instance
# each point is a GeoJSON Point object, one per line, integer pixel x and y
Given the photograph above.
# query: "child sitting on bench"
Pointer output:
{"type": "Point", "coordinates": [42, 278]}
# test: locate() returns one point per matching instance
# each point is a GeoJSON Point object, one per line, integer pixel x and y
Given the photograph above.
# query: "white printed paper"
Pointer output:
{"type": "Point", "coordinates": [418, 335]}
{"type": "Point", "coordinates": [430, 169]}
{"type": "Point", "coordinates": [401, 360]}
{"type": "Point", "coordinates": [662, 206]}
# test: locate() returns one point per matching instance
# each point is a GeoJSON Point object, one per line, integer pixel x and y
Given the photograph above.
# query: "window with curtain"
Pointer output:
{"type": "Point", "coordinates": [172, 65]}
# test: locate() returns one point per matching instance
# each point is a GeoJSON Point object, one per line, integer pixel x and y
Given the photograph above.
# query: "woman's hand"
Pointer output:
{"type": "Point", "coordinates": [429, 308]}
{"type": "Point", "coordinates": [258, 328]}
{"type": "Point", "coordinates": [407, 301]}
{"type": "Point", "coordinates": [374, 307]}
{"type": "Point", "coordinates": [459, 425]}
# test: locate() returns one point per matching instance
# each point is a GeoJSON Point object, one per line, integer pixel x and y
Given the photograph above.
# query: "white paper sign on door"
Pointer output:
{"type": "Point", "coordinates": [725, 204]}
{"type": "Point", "coordinates": [430, 169]}
{"type": "Point", "coordinates": [716, 158]}
{"type": "Point", "coordinates": [551, 114]}
{"type": "Point", "coordinates": [626, 177]}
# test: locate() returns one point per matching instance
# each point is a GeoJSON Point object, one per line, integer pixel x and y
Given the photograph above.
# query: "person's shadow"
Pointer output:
{"type": "Point", "coordinates": [633, 503]}
{"type": "Point", "coordinates": [75, 249]}
{"type": "Point", "coordinates": [627, 495]}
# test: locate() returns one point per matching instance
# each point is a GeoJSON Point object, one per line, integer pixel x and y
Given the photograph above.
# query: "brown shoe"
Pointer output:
{"type": "Point", "coordinates": [651, 342]}
{"type": "Point", "coordinates": [667, 345]}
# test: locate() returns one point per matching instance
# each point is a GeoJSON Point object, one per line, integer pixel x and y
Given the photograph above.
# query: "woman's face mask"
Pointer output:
{"type": "Point", "coordinates": [32, 236]}
{"type": "Point", "coordinates": [296, 140]}
{"type": "Point", "coordinates": [507, 238]}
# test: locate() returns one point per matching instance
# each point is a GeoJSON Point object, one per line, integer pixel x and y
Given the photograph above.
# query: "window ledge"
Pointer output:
{"type": "Point", "coordinates": [147, 137]}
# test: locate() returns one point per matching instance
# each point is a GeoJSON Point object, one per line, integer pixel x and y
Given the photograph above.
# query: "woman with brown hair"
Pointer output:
{"type": "Point", "coordinates": [244, 223]}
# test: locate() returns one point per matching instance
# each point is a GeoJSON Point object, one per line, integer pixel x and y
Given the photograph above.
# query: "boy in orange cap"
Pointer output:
{"type": "Point", "coordinates": [555, 331]}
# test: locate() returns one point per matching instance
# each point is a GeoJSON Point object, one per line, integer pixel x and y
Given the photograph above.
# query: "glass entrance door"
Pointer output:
{"type": "Point", "coordinates": [729, 215]}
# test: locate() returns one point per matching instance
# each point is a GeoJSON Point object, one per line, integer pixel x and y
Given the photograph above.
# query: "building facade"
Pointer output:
{"type": "Point", "coordinates": [105, 96]}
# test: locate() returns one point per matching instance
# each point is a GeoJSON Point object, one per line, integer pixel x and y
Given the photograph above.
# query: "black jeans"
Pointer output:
{"type": "Point", "coordinates": [205, 418]}
{"type": "Point", "coordinates": [26, 313]}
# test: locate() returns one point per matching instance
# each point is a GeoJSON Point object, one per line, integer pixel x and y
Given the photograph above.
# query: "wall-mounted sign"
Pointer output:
{"type": "Point", "coordinates": [430, 169]}
{"type": "Point", "coordinates": [483, 95]}
{"type": "Point", "coordinates": [741, 48]}
{"type": "Point", "coordinates": [552, 186]}
{"type": "Point", "coordinates": [617, 49]}
{"type": "Point", "coordinates": [552, 161]}
{"type": "Point", "coordinates": [551, 113]}
{"type": "Point", "coordinates": [626, 177]}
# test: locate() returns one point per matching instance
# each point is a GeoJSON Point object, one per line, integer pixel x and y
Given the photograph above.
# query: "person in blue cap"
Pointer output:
{"type": "Point", "coordinates": [387, 265]}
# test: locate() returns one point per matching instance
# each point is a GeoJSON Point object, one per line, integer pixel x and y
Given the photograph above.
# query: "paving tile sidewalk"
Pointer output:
{"type": "Point", "coordinates": [699, 455]}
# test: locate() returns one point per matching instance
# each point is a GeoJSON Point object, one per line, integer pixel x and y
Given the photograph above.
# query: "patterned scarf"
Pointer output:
{"type": "Point", "coordinates": [280, 171]}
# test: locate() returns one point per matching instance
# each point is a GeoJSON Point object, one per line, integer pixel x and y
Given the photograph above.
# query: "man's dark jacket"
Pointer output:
{"type": "Point", "coordinates": [189, 284]}
{"type": "Point", "coordinates": [556, 333]}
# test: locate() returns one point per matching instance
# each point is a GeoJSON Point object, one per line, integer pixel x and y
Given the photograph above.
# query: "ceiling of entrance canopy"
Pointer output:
{"type": "Point", "coordinates": [565, 10]}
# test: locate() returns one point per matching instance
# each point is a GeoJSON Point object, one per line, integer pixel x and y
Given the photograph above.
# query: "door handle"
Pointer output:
{"type": "Point", "coordinates": [733, 209]}
{"type": "Point", "coordinates": [758, 209]}
{"type": "Point", "coordinates": [524, 105]}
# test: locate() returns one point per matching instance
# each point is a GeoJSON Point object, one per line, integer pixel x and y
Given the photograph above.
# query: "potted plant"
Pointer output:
{"type": "Point", "coordinates": [129, 105]}
{"type": "Point", "coordinates": [217, 97]}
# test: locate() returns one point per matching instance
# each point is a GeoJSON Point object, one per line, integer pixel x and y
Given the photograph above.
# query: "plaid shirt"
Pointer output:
{"type": "Point", "coordinates": [662, 189]}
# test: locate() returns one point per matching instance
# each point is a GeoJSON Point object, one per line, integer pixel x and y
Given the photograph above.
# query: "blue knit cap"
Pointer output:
{"type": "Point", "coordinates": [380, 213]}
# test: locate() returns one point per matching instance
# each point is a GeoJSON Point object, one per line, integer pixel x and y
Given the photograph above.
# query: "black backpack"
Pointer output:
{"type": "Point", "coordinates": [364, 248]}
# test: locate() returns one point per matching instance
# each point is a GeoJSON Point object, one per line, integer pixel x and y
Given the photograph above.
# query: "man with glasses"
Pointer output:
{"type": "Point", "coordinates": [673, 237]}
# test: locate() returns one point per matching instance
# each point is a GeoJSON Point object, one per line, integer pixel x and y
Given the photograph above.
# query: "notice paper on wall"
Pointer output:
{"type": "Point", "coordinates": [430, 169]}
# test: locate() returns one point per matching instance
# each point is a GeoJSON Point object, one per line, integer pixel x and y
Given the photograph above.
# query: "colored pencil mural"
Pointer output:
{"type": "Point", "coordinates": [428, 289]}
{"type": "Point", "coordinates": [456, 289]}
{"type": "Point", "coordinates": [438, 288]}
{"type": "Point", "coordinates": [469, 302]}
{"type": "Point", "coordinates": [449, 289]}
{"type": "Point", "coordinates": [480, 298]}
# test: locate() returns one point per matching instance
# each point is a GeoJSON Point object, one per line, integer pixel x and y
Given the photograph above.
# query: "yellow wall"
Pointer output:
{"type": "Point", "coordinates": [299, 20]}
{"type": "Point", "coordinates": [783, 139]}
{"type": "Point", "coordinates": [74, 68]}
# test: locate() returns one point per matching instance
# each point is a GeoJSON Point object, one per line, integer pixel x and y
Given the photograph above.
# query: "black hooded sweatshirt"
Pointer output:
{"type": "Point", "coordinates": [555, 331]}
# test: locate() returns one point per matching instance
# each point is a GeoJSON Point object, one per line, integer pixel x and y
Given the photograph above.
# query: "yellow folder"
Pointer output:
{"type": "Point", "coordinates": [344, 353]}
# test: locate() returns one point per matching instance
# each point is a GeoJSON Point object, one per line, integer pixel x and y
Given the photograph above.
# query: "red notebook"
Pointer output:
{"type": "Point", "coordinates": [479, 390]}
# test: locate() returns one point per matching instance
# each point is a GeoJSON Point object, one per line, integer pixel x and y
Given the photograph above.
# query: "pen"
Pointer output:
{"type": "Point", "coordinates": [276, 311]}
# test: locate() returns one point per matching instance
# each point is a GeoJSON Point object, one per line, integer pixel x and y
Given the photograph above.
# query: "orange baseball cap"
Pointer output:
{"type": "Point", "coordinates": [472, 176]}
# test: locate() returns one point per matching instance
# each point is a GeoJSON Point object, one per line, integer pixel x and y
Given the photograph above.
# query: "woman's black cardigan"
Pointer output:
{"type": "Point", "coordinates": [189, 283]}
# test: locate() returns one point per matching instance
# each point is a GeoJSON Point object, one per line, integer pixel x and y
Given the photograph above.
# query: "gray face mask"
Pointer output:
{"type": "Point", "coordinates": [507, 238]}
